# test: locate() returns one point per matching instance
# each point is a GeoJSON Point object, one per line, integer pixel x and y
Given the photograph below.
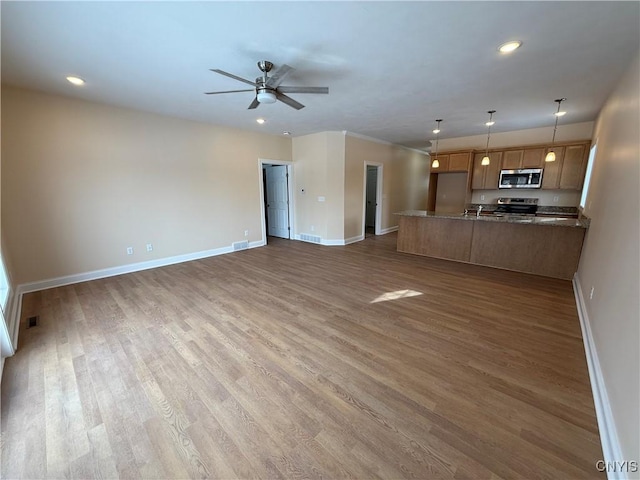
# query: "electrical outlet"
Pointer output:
{"type": "Point", "coordinates": [556, 198]}
{"type": "Point", "coordinates": [129, 250]}
{"type": "Point", "coordinates": [149, 247]}
{"type": "Point", "coordinates": [591, 293]}
{"type": "Point", "coordinates": [312, 228]}
{"type": "Point", "coordinates": [246, 233]}
{"type": "Point", "coordinates": [481, 197]}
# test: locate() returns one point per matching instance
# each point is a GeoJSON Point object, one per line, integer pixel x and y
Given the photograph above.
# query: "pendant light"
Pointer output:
{"type": "Point", "coordinates": [436, 163]}
{"type": "Point", "coordinates": [486, 160]}
{"type": "Point", "coordinates": [551, 156]}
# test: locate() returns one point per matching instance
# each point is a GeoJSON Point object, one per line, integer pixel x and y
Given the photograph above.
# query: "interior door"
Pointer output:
{"type": "Point", "coordinates": [372, 190]}
{"type": "Point", "coordinates": [277, 201]}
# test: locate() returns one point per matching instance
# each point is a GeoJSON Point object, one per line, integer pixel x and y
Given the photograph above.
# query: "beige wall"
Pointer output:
{"type": "Point", "coordinates": [610, 261]}
{"type": "Point", "coordinates": [404, 186]}
{"type": "Point", "coordinates": [82, 181]}
{"type": "Point", "coordinates": [319, 173]}
{"type": "Point", "coordinates": [558, 198]}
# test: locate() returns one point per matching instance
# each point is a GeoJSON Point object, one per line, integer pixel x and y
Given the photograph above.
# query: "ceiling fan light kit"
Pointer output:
{"type": "Point", "coordinates": [266, 96]}
{"type": "Point", "coordinates": [268, 89]}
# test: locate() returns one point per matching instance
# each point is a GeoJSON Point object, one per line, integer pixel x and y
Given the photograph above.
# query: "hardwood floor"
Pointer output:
{"type": "Point", "coordinates": [301, 361]}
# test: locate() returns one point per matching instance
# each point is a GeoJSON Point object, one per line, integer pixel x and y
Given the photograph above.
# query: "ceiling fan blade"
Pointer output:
{"type": "Point", "coordinates": [229, 91]}
{"type": "Point", "coordinates": [288, 100]}
{"type": "Point", "coordinates": [278, 76]}
{"type": "Point", "coordinates": [285, 89]}
{"type": "Point", "coordinates": [254, 104]}
{"type": "Point", "coordinates": [231, 75]}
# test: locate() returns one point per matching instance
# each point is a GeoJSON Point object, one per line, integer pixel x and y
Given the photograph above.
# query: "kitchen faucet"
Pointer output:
{"type": "Point", "coordinates": [479, 210]}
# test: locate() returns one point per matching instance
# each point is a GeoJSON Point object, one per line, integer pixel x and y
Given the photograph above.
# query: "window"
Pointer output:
{"type": "Point", "coordinates": [587, 176]}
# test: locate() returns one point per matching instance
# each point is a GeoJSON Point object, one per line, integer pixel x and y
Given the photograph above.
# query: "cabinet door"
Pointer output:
{"type": "Point", "coordinates": [444, 163]}
{"type": "Point", "coordinates": [533, 157]}
{"type": "Point", "coordinates": [551, 172]}
{"type": "Point", "coordinates": [477, 180]}
{"type": "Point", "coordinates": [512, 159]}
{"type": "Point", "coordinates": [459, 162]}
{"type": "Point", "coordinates": [493, 171]}
{"type": "Point", "coordinates": [486, 176]}
{"type": "Point", "coordinates": [573, 167]}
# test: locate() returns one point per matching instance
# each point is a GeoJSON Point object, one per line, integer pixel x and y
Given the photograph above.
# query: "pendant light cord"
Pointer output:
{"type": "Point", "coordinates": [555, 127]}
{"type": "Point", "coordinates": [490, 112]}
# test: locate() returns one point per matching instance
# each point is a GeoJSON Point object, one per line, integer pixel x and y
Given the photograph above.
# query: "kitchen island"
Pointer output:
{"type": "Point", "coordinates": [548, 246]}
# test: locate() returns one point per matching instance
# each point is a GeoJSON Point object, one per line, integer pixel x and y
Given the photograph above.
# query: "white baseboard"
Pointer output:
{"type": "Point", "coordinates": [384, 231]}
{"type": "Point", "coordinates": [357, 238]}
{"type": "Point", "coordinates": [606, 425]}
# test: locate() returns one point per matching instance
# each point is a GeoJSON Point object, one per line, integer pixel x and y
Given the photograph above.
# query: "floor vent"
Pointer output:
{"type": "Point", "coordinates": [243, 245]}
{"type": "Point", "coordinates": [33, 321]}
{"type": "Point", "coordinates": [310, 238]}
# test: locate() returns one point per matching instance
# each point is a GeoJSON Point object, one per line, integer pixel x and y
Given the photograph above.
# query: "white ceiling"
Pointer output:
{"type": "Point", "coordinates": [392, 67]}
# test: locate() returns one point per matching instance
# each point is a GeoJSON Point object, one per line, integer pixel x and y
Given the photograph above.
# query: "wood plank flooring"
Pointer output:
{"type": "Point", "coordinates": [301, 361]}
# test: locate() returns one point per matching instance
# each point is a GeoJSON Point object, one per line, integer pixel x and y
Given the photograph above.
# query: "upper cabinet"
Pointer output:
{"type": "Point", "coordinates": [567, 172]}
{"type": "Point", "coordinates": [444, 164]}
{"type": "Point", "coordinates": [523, 158]}
{"type": "Point", "coordinates": [574, 167]}
{"type": "Point", "coordinates": [485, 177]}
{"type": "Point", "coordinates": [452, 162]}
{"type": "Point", "coordinates": [460, 162]}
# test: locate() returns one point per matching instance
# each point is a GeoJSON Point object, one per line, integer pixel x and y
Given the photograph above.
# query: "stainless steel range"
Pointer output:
{"type": "Point", "coordinates": [516, 206]}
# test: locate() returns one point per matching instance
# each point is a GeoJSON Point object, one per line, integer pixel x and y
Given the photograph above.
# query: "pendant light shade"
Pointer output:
{"type": "Point", "coordinates": [436, 163]}
{"type": "Point", "coordinates": [486, 160]}
{"type": "Point", "coordinates": [551, 156]}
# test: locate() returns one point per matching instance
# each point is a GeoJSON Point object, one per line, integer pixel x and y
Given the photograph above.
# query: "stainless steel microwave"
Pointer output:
{"type": "Point", "coordinates": [524, 178]}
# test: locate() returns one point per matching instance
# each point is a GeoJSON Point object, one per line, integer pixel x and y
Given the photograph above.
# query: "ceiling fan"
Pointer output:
{"type": "Point", "coordinates": [268, 88]}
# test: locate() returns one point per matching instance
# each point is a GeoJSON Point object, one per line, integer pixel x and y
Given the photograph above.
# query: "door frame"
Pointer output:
{"type": "Point", "coordinates": [380, 168]}
{"type": "Point", "coordinates": [262, 162]}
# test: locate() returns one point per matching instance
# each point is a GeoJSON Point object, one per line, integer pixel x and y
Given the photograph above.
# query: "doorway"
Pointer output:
{"type": "Point", "coordinates": [276, 194]}
{"type": "Point", "coordinates": [373, 189]}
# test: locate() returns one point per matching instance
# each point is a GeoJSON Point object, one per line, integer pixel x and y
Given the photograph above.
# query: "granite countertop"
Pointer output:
{"type": "Point", "coordinates": [530, 220]}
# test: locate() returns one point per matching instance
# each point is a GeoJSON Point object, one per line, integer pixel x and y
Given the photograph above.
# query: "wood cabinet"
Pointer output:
{"type": "Point", "coordinates": [573, 167]}
{"type": "Point", "coordinates": [459, 162]}
{"type": "Point", "coordinates": [533, 157]}
{"type": "Point", "coordinates": [485, 177]}
{"type": "Point", "coordinates": [512, 159]}
{"type": "Point", "coordinates": [452, 162]}
{"type": "Point", "coordinates": [444, 164]}
{"type": "Point", "coordinates": [551, 172]}
{"type": "Point", "coordinates": [523, 158]}
{"type": "Point", "coordinates": [567, 172]}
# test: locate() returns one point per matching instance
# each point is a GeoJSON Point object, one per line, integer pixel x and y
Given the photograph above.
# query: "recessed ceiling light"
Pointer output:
{"type": "Point", "coordinates": [509, 46]}
{"type": "Point", "coordinates": [436, 131]}
{"type": "Point", "coordinates": [560, 114]}
{"type": "Point", "coordinates": [286, 133]}
{"type": "Point", "coordinates": [488, 124]}
{"type": "Point", "coordinates": [75, 80]}
{"type": "Point", "coordinates": [260, 121]}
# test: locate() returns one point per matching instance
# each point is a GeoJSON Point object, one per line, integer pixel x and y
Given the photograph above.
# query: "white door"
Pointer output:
{"type": "Point", "coordinates": [277, 201]}
{"type": "Point", "coordinates": [371, 195]}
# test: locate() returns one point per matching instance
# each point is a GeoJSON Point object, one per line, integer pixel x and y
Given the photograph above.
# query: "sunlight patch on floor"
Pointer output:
{"type": "Point", "coordinates": [385, 297]}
